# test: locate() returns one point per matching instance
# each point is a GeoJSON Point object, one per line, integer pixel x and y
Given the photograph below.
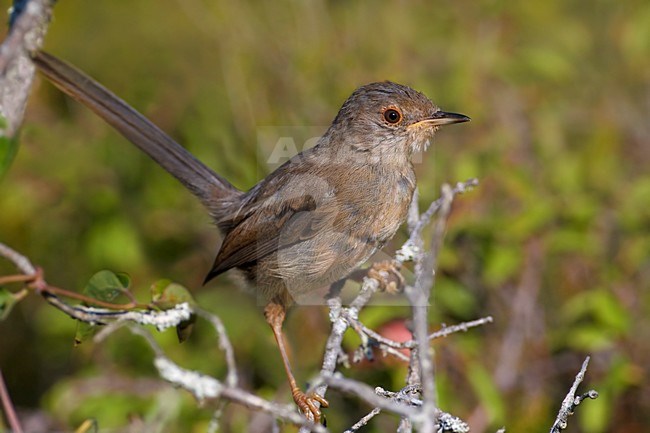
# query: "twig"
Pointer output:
{"type": "Point", "coordinates": [339, 325]}
{"type": "Point", "coordinates": [92, 301]}
{"type": "Point", "coordinates": [412, 380]}
{"type": "Point", "coordinates": [101, 316]}
{"type": "Point", "coordinates": [369, 395]}
{"type": "Point", "coordinates": [22, 263]}
{"type": "Point", "coordinates": [385, 344]}
{"type": "Point", "coordinates": [213, 426]}
{"type": "Point", "coordinates": [364, 421]}
{"type": "Point", "coordinates": [224, 344]}
{"type": "Point", "coordinates": [571, 401]}
{"type": "Point", "coordinates": [461, 327]}
{"type": "Point", "coordinates": [403, 395]}
{"type": "Point", "coordinates": [8, 407]}
{"type": "Point", "coordinates": [399, 403]}
{"type": "Point", "coordinates": [444, 332]}
{"type": "Point", "coordinates": [418, 296]}
{"type": "Point", "coordinates": [15, 279]}
{"type": "Point", "coordinates": [205, 388]}
{"type": "Point", "coordinates": [425, 218]}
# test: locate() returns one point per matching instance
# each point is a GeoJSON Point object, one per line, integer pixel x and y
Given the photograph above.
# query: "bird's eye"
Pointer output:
{"type": "Point", "coordinates": [392, 116]}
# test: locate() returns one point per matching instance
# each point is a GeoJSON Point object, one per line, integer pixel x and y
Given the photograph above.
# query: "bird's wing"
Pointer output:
{"type": "Point", "coordinates": [270, 228]}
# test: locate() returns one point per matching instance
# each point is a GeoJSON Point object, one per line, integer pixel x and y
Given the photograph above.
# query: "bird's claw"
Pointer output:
{"type": "Point", "coordinates": [388, 274]}
{"type": "Point", "coordinates": [308, 405]}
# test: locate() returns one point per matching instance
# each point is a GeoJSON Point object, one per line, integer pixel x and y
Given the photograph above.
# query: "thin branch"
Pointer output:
{"type": "Point", "coordinates": [92, 301]}
{"type": "Point", "coordinates": [208, 389]}
{"type": "Point", "coordinates": [339, 325]}
{"type": "Point", "coordinates": [425, 218]}
{"type": "Point", "coordinates": [8, 407]}
{"type": "Point", "coordinates": [364, 421]}
{"type": "Point", "coordinates": [9, 279]}
{"type": "Point", "coordinates": [102, 316]}
{"type": "Point", "coordinates": [571, 401]}
{"type": "Point", "coordinates": [418, 296]}
{"type": "Point", "coordinates": [369, 395]}
{"type": "Point", "coordinates": [224, 344]}
{"type": "Point", "coordinates": [366, 334]}
{"type": "Point", "coordinates": [413, 217]}
{"type": "Point", "coordinates": [443, 332]}
{"type": "Point", "coordinates": [22, 263]}
{"type": "Point", "coordinates": [412, 380]}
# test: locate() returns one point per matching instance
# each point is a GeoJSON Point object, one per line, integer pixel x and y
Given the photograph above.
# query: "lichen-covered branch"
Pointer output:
{"type": "Point", "coordinates": [571, 401]}
{"type": "Point", "coordinates": [16, 68]}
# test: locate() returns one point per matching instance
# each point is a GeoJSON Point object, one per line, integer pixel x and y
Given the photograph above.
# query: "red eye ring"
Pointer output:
{"type": "Point", "coordinates": [392, 116]}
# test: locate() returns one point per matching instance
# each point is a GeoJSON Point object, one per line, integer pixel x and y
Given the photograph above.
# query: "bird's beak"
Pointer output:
{"type": "Point", "coordinates": [440, 118]}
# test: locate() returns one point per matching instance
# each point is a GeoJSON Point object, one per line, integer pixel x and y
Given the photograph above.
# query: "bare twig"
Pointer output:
{"type": "Point", "coordinates": [9, 279]}
{"type": "Point", "coordinates": [208, 389]}
{"type": "Point", "coordinates": [365, 333]}
{"type": "Point", "coordinates": [418, 296]}
{"type": "Point", "coordinates": [364, 421]}
{"type": "Point", "coordinates": [369, 395]}
{"type": "Point", "coordinates": [8, 407]}
{"type": "Point", "coordinates": [443, 332]}
{"type": "Point", "coordinates": [42, 286]}
{"type": "Point", "coordinates": [224, 344]}
{"type": "Point", "coordinates": [22, 263]}
{"type": "Point", "coordinates": [461, 327]}
{"type": "Point", "coordinates": [425, 218]}
{"type": "Point", "coordinates": [571, 401]}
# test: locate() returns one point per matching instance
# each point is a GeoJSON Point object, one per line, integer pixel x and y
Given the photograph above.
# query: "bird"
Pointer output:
{"type": "Point", "coordinates": [313, 220]}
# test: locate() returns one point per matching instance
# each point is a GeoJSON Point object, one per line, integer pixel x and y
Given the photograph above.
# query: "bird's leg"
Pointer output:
{"type": "Point", "coordinates": [307, 403]}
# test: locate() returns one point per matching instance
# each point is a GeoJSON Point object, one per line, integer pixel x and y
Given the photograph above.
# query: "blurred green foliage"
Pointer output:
{"type": "Point", "coordinates": [8, 148]}
{"type": "Point", "coordinates": [555, 243]}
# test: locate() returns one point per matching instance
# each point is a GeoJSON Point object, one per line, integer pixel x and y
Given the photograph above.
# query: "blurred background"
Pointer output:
{"type": "Point", "coordinates": [554, 243]}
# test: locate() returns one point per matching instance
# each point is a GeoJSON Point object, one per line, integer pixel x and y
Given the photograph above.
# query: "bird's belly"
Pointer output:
{"type": "Point", "coordinates": [299, 271]}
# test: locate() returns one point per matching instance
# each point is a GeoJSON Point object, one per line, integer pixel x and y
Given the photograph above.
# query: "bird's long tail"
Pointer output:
{"type": "Point", "coordinates": [204, 183]}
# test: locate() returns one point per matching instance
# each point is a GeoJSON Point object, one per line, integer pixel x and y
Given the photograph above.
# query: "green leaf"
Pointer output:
{"type": "Point", "coordinates": [107, 285]}
{"type": "Point", "coordinates": [104, 286]}
{"type": "Point", "coordinates": [184, 329]}
{"type": "Point", "coordinates": [7, 302]}
{"type": "Point", "coordinates": [165, 294]}
{"type": "Point", "coordinates": [85, 331]}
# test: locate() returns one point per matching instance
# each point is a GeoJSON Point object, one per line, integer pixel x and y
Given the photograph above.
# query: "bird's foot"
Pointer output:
{"type": "Point", "coordinates": [308, 404]}
{"type": "Point", "coordinates": [388, 274]}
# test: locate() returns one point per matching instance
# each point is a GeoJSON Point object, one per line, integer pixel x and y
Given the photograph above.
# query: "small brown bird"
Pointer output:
{"type": "Point", "coordinates": [316, 218]}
